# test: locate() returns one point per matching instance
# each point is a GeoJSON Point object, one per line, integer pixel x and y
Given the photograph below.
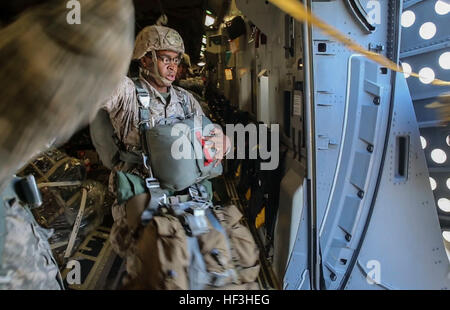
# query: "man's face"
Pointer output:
{"type": "Point", "coordinates": [168, 64]}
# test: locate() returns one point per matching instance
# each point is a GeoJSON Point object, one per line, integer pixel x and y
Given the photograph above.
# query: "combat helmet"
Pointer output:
{"type": "Point", "coordinates": [156, 38]}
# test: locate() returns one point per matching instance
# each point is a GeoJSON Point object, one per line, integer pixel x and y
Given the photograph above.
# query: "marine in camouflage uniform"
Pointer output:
{"type": "Point", "coordinates": [123, 110]}
{"type": "Point", "coordinates": [53, 77]}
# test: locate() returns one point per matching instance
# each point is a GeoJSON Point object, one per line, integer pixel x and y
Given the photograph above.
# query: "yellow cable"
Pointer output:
{"type": "Point", "coordinates": [298, 11]}
{"type": "Point", "coordinates": [260, 218]}
{"type": "Point", "coordinates": [248, 195]}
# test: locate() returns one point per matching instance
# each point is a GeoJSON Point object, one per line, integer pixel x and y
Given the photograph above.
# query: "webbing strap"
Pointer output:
{"type": "Point", "coordinates": [143, 98]}
{"type": "Point", "coordinates": [220, 279]}
{"type": "Point", "coordinates": [158, 197]}
{"type": "Point", "coordinates": [184, 104]}
{"type": "Point", "coordinates": [144, 117]}
{"type": "Point", "coordinates": [217, 226]}
{"type": "Point", "coordinates": [144, 125]}
{"type": "Point", "coordinates": [198, 276]}
{"type": "Point", "coordinates": [142, 94]}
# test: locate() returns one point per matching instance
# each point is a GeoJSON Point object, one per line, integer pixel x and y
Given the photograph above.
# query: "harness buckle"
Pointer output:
{"type": "Point", "coordinates": [196, 225]}
{"type": "Point", "coordinates": [144, 98]}
{"type": "Point", "coordinates": [199, 193]}
{"type": "Point", "coordinates": [151, 183]}
{"type": "Point", "coordinates": [149, 168]}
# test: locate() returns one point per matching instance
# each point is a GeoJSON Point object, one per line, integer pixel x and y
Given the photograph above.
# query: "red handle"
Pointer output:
{"type": "Point", "coordinates": [208, 157]}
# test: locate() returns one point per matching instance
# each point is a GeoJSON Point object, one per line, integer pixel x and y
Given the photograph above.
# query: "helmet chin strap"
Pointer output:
{"type": "Point", "coordinates": [154, 74]}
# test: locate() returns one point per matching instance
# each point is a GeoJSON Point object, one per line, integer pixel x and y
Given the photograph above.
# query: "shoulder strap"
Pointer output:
{"type": "Point", "coordinates": [142, 94]}
{"type": "Point", "coordinates": [152, 184]}
{"type": "Point", "coordinates": [197, 273]}
{"type": "Point", "coordinates": [184, 105]}
{"type": "Point", "coordinates": [143, 98]}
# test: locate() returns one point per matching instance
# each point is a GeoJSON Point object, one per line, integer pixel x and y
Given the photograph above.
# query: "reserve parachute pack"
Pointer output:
{"type": "Point", "coordinates": [174, 146]}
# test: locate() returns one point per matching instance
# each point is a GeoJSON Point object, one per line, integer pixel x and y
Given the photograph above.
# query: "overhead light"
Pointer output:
{"type": "Point", "coordinates": [209, 21]}
{"type": "Point", "coordinates": [204, 40]}
{"type": "Point", "coordinates": [203, 48]}
{"type": "Point", "coordinates": [202, 54]}
{"type": "Point", "coordinates": [208, 12]}
{"type": "Point", "coordinates": [201, 64]}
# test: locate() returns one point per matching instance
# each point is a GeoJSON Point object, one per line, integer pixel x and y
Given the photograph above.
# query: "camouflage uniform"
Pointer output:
{"type": "Point", "coordinates": [28, 261]}
{"type": "Point", "coordinates": [123, 111]}
{"type": "Point", "coordinates": [124, 114]}
{"type": "Point", "coordinates": [52, 76]}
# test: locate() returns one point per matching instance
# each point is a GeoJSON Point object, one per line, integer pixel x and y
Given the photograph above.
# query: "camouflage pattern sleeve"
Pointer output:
{"type": "Point", "coordinates": [195, 105]}
{"type": "Point", "coordinates": [54, 74]}
{"type": "Point", "coordinates": [123, 111]}
{"type": "Point", "coordinates": [27, 262]}
{"type": "Point", "coordinates": [122, 98]}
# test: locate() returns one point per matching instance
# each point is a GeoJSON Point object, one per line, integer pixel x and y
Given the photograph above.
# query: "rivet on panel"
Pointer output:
{"type": "Point", "coordinates": [348, 237]}
{"type": "Point", "coordinates": [333, 277]}
{"type": "Point", "coordinates": [376, 100]}
{"type": "Point", "coordinates": [361, 194]}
